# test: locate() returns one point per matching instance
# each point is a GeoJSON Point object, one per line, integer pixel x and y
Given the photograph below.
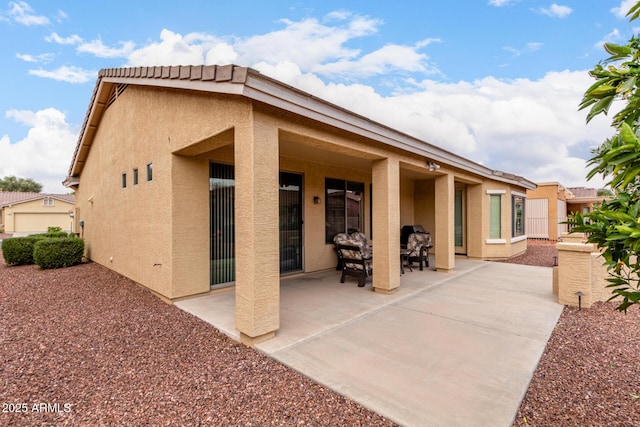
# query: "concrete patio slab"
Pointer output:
{"type": "Point", "coordinates": [446, 349]}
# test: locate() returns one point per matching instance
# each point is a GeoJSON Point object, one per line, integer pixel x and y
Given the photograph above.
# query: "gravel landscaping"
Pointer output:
{"type": "Point", "coordinates": [86, 346]}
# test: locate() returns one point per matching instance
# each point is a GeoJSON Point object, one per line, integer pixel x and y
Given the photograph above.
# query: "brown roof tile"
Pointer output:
{"type": "Point", "coordinates": [12, 197]}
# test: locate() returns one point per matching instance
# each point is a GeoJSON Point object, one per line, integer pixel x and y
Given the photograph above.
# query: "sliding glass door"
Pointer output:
{"type": "Point", "coordinates": [290, 222]}
{"type": "Point", "coordinates": [222, 221]}
{"type": "Point", "coordinates": [222, 210]}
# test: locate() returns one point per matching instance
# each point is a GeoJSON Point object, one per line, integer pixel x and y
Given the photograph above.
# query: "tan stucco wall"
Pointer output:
{"type": "Point", "coordinates": [424, 200]}
{"type": "Point", "coordinates": [33, 217]}
{"type": "Point", "coordinates": [509, 246]}
{"type": "Point", "coordinates": [156, 231]}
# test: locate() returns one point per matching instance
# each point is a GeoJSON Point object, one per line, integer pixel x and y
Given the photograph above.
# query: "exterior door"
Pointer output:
{"type": "Point", "coordinates": [460, 224]}
{"type": "Point", "coordinates": [222, 222]}
{"type": "Point", "coordinates": [290, 222]}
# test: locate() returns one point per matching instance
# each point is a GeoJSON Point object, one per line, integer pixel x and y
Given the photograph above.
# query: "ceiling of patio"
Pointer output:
{"type": "Point", "coordinates": [306, 150]}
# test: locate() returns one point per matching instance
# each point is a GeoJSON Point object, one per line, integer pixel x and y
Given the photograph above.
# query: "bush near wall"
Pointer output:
{"type": "Point", "coordinates": [58, 253]}
{"type": "Point", "coordinates": [19, 250]}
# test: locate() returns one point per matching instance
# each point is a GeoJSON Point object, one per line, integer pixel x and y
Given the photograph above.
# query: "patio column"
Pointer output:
{"type": "Point", "coordinates": [386, 225]}
{"type": "Point", "coordinates": [444, 211]}
{"type": "Point", "coordinates": [256, 232]}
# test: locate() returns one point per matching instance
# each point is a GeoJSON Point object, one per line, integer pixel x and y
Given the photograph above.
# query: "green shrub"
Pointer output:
{"type": "Point", "coordinates": [58, 253]}
{"type": "Point", "coordinates": [19, 250]}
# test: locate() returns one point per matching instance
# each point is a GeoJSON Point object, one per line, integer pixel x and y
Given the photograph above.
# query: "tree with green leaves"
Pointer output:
{"type": "Point", "coordinates": [12, 183]}
{"type": "Point", "coordinates": [614, 225]}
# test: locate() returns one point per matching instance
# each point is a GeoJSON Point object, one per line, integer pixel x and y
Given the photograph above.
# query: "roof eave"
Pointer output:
{"type": "Point", "coordinates": [231, 79]}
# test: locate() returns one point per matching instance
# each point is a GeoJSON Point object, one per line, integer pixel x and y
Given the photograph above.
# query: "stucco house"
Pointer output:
{"type": "Point", "coordinates": [24, 213]}
{"type": "Point", "coordinates": [582, 199]}
{"type": "Point", "coordinates": [546, 210]}
{"type": "Point", "coordinates": [550, 204]}
{"type": "Point", "coordinates": [191, 178]}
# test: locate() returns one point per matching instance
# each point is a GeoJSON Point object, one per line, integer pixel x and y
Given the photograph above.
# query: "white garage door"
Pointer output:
{"type": "Point", "coordinates": [30, 223]}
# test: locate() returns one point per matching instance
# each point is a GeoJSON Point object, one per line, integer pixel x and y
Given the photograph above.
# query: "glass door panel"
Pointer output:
{"type": "Point", "coordinates": [290, 222]}
{"type": "Point", "coordinates": [222, 222]}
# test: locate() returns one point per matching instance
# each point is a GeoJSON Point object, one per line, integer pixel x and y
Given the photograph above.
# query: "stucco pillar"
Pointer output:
{"type": "Point", "coordinates": [386, 225]}
{"type": "Point", "coordinates": [256, 232]}
{"type": "Point", "coordinates": [445, 210]}
{"type": "Point", "coordinates": [574, 273]}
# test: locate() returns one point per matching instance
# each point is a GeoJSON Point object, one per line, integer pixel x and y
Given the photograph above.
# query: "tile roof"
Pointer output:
{"type": "Point", "coordinates": [580, 192]}
{"type": "Point", "coordinates": [12, 197]}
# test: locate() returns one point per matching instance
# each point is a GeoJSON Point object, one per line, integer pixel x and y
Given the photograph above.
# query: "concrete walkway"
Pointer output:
{"type": "Point", "coordinates": [448, 349]}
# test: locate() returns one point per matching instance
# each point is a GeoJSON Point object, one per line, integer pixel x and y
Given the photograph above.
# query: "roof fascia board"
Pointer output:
{"type": "Point", "coordinates": [226, 87]}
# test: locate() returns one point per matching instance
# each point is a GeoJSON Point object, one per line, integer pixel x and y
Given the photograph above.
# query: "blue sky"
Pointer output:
{"type": "Point", "coordinates": [496, 81]}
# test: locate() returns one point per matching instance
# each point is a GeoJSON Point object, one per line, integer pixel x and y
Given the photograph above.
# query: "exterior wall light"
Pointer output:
{"type": "Point", "coordinates": [316, 200]}
{"type": "Point", "coordinates": [433, 166]}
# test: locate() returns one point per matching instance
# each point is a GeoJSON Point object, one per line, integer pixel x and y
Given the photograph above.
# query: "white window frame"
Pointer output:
{"type": "Point", "coordinates": [496, 241]}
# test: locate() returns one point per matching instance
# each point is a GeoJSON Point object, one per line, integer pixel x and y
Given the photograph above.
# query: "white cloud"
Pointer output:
{"type": "Point", "coordinates": [621, 11]}
{"type": "Point", "coordinates": [555, 11]}
{"type": "Point", "coordinates": [499, 3]}
{"type": "Point", "coordinates": [388, 59]}
{"type": "Point", "coordinates": [174, 49]}
{"type": "Point", "coordinates": [613, 37]}
{"type": "Point", "coordinates": [97, 48]}
{"type": "Point", "coordinates": [69, 74]}
{"type": "Point", "coordinates": [23, 14]}
{"type": "Point", "coordinates": [44, 57]}
{"type": "Point", "coordinates": [319, 47]}
{"type": "Point", "coordinates": [44, 153]}
{"type": "Point", "coordinates": [528, 127]}
{"type": "Point", "coordinates": [529, 47]}
{"type": "Point", "coordinates": [71, 40]}
{"type": "Point", "coordinates": [61, 16]}
{"type": "Point", "coordinates": [221, 54]}
{"type": "Point", "coordinates": [307, 43]}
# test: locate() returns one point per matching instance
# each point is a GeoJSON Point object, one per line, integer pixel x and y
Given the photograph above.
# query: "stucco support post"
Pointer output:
{"type": "Point", "coordinates": [256, 232]}
{"type": "Point", "coordinates": [386, 225]}
{"type": "Point", "coordinates": [444, 211]}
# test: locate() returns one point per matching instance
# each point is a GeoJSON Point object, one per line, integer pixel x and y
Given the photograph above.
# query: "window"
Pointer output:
{"type": "Point", "coordinates": [517, 214]}
{"type": "Point", "coordinates": [135, 176]}
{"type": "Point", "coordinates": [344, 207]}
{"type": "Point", "coordinates": [149, 171]}
{"type": "Point", "coordinates": [124, 180]}
{"type": "Point", "coordinates": [48, 201]}
{"type": "Point", "coordinates": [495, 216]}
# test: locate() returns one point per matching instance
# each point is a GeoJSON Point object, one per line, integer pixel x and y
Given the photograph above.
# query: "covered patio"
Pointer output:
{"type": "Point", "coordinates": [316, 302]}
{"type": "Point", "coordinates": [456, 348]}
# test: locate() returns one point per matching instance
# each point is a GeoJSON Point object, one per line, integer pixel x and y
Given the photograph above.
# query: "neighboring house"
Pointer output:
{"type": "Point", "coordinates": [549, 205]}
{"type": "Point", "coordinates": [190, 178]}
{"type": "Point", "coordinates": [546, 210]}
{"type": "Point", "coordinates": [23, 213]}
{"type": "Point", "coordinates": [582, 199]}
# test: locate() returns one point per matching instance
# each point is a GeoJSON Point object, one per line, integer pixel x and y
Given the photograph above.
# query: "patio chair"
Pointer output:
{"type": "Point", "coordinates": [361, 237]}
{"type": "Point", "coordinates": [338, 238]}
{"type": "Point", "coordinates": [419, 245]}
{"type": "Point", "coordinates": [355, 261]}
